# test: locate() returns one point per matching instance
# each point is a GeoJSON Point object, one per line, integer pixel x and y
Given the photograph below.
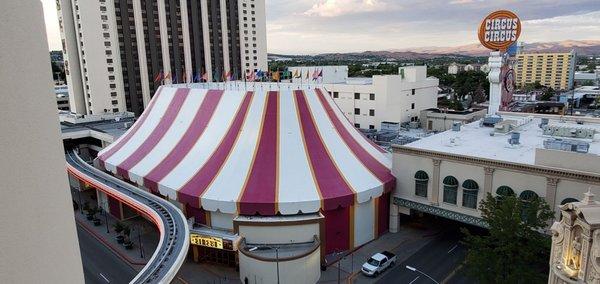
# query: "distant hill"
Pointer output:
{"type": "Point", "coordinates": [582, 47]}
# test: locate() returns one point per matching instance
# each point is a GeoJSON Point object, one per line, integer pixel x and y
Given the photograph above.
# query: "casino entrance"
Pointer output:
{"type": "Point", "coordinates": [214, 246]}
{"type": "Point", "coordinates": [216, 256]}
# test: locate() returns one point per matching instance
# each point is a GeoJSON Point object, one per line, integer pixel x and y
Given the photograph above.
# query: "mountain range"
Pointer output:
{"type": "Point", "coordinates": [582, 47]}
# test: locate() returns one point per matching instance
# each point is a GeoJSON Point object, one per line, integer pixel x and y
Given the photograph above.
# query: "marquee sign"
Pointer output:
{"type": "Point", "coordinates": [206, 241]}
{"type": "Point", "coordinates": [499, 30]}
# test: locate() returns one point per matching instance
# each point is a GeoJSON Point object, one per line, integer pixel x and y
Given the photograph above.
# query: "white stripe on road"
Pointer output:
{"type": "Point", "coordinates": [411, 282]}
{"type": "Point", "coordinates": [456, 245]}
{"type": "Point", "coordinates": [105, 279]}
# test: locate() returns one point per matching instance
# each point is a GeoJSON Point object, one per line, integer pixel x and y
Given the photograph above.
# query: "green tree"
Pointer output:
{"type": "Point", "coordinates": [548, 94]}
{"type": "Point", "coordinates": [516, 250]}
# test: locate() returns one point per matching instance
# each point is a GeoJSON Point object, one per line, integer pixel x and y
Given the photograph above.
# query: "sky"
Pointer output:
{"type": "Point", "coordinates": [321, 26]}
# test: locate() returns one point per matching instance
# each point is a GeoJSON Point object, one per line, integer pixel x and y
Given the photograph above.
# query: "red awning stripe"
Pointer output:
{"type": "Point", "coordinates": [165, 122]}
{"type": "Point", "coordinates": [259, 194]}
{"type": "Point", "coordinates": [113, 148]}
{"type": "Point", "coordinates": [379, 170]}
{"type": "Point", "coordinates": [334, 189]}
{"type": "Point", "coordinates": [192, 190]}
{"type": "Point", "coordinates": [200, 121]}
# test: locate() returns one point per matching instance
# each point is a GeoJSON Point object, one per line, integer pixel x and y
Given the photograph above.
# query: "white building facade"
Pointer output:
{"type": "Point", "coordinates": [119, 52]}
{"type": "Point", "coordinates": [449, 173]}
{"type": "Point", "coordinates": [387, 98]}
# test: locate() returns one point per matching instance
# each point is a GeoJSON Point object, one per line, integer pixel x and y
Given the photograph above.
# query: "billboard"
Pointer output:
{"type": "Point", "coordinates": [499, 30]}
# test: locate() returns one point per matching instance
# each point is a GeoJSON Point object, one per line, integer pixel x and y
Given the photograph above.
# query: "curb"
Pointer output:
{"type": "Point", "coordinates": [108, 245]}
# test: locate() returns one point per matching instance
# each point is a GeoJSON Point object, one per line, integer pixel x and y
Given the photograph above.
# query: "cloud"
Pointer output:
{"type": "Point", "coordinates": [576, 26]}
{"type": "Point", "coordinates": [335, 8]}
{"type": "Point", "coordinates": [462, 2]}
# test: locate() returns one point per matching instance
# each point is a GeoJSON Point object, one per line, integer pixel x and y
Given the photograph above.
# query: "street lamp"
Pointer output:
{"type": "Point", "coordinates": [276, 257]}
{"type": "Point", "coordinates": [421, 272]}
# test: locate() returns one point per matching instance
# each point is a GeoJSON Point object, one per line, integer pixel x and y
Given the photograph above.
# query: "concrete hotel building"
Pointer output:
{"type": "Point", "coordinates": [38, 245]}
{"type": "Point", "coordinates": [555, 70]}
{"type": "Point", "coordinates": [448, 174]}
{"type": "Point", "coordinates": [368, 102]}
{"type": "Point", "coordinates": [114, 49]}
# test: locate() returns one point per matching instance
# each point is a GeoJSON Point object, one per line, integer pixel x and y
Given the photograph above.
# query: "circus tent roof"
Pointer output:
{"type": "Point", "coordinates": [246, 152]}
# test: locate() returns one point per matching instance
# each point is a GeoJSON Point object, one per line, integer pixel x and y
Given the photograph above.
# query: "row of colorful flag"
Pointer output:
{"type": "Point", "coordinates": [251, 76]}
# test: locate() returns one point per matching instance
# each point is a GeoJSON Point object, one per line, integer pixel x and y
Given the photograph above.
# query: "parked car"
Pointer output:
{"type": "Point", "coordinates": [378, 263]}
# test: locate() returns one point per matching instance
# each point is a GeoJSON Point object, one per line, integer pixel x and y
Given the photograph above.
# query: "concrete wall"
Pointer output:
{"type": "Point", "coordinates": [571, 160]}
{"type": "Point", "coordinates": [38, 240]}
{"type": "Point", "coordinates": [272, 234]}
{"type": "Point", "coordinates": [444, 121]}
{"type": "Point", "coordinates": [405, 166]}
{"type": "Point", "coordinates": [305, 270]}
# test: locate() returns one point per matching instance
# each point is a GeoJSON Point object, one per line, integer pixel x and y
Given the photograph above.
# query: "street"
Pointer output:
{"type": "Point", "coordinates": [100, 265]}
{"type": "Point", "coordinates": [437, 259]}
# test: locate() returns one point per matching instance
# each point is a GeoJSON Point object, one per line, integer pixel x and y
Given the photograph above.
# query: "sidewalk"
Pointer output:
{"type": "Point", "coordinates": [409, 239]}
{"type": "Point", "coordinates": [141, 230]}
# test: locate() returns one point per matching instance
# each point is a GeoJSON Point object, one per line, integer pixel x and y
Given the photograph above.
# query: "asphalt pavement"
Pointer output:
{"type": "Point", "coordinates": [438, 259]}
{"type": "Point", "coordinates": [100, 264]}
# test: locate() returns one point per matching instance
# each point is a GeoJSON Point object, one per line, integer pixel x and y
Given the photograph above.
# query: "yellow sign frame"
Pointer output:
{"type": "Point", "coordinates": [206, 241]}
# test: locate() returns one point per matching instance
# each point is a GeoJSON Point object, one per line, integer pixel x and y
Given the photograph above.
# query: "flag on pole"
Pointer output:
{"type": "Point", "coordinates": [276, 76]}
{"type": "Point", "coordinates": [196, 77]}
{"type": "Point", "coordinates": [205, 77]}
{"type": "Point", "coordinates": [320, 74]}
{"type": "Point", "coordinates": [168, 76]}
{"type": "Point", "coordinates": [159, 77]}
{"type": "Point", "coordinates": [307, 74]}
{"type": "Point", "coordinates": [297, 74]}
{"type": "Point", "coordinates": [315, 74]}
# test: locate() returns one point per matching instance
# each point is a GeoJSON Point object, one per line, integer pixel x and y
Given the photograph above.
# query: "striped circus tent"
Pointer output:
{"type": "Point", "coordinates": [244, 152]}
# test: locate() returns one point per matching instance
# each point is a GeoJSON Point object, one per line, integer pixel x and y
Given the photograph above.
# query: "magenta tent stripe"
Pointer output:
{"type": "Point", "coordinates": [199, 123]}
{"type": "Point", "coordinates": [260, 192]}
{"type": "Point", "coordinates": [157, 134]}
{"type": "Point", "coordinates": [335, 191]}
{"type": "Point", "coordinates": [379, 170]}
{"type": "Point", "coordinates": [127, 136]}
{"type": "Point", "coordinates": [193, 189]}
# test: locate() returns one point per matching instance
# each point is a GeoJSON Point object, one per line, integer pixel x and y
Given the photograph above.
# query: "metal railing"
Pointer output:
{"type": "Point", "coordinates": [174, 237]}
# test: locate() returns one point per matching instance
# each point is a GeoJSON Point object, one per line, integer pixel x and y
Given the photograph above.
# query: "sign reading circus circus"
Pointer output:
{"type": "Point", "coordinates": [499, 30]}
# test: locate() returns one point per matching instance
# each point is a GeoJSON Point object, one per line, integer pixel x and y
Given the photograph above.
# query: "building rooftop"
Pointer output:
{"type": "Point", "coordinates": [474, 140]}
{"type": "Point", "coordinates": [77, 126]}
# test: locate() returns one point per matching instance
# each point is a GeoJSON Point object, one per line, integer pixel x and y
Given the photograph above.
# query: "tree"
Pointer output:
{"type": "Point", "coordinates": [516, 250]}
{"type": "Point", "coordinates": [548, 94]}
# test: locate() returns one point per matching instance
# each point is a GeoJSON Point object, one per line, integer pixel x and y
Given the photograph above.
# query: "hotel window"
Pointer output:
{"type": "Point", "coordinates": [357, 96]}
{"type": "Point", "coordinates": [336, 95]}
{"type": "Point", "coordinates": [371, 112]}
{"type": "Point", "coordinates": [527, 197]}
{"type": "Point", "coordinates": [504, 191]}
{"type": "Point", "coordinates": [357, 125]}
{"type": "Point", "coordinates": [413, 92]}
{"type": "Point", "coordinates": [470, 190]}
{"type": "Point", "coordinates": [372, 97]}
{"type": "Point", "coordinates": [421, 181]}
{"type": "Point", "coordinates": [356, 111]}
{"type": "Point", "coordinates": [450, 189]}
{"type": "Point", "coordinates": [412, 106]}
{"type": "Point", "coordinates": [371, 126]}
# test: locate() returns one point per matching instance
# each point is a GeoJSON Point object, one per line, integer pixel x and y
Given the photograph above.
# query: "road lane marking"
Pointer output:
{"type": "Point", "coordinates": [456, 245]}
{"type": "Point", "coordinates": [105, 279]}
{"type": "Point", "coordinates": [411, 282]}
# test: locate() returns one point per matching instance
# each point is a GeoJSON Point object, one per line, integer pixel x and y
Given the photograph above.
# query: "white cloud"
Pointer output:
{"type": "Point", "coordinates": [579, 26]}
{"type": "Point", "coordinates": [335, 8]}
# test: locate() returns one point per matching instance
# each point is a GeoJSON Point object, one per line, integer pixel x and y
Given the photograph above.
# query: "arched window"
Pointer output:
{"type": "Point", "coordinates": [568, 200]}
{"type": "Point", "coordinates": [470, 190]}
{"type": "Point", "coordinates": [528, 195]}
{"type": "Point", "coordinates": [421, 180]}
{"type": "Point", "coordinates": [450, 189]}
{"type": "Point", "coordinates": [504, 191]}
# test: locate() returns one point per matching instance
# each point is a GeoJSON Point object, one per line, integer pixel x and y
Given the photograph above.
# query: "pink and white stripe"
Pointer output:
{"type": "Point", "coordinates": [251, 153]}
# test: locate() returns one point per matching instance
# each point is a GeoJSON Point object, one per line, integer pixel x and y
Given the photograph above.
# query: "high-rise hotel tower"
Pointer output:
{"type": "Point", "coordinates": [115, 50]}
